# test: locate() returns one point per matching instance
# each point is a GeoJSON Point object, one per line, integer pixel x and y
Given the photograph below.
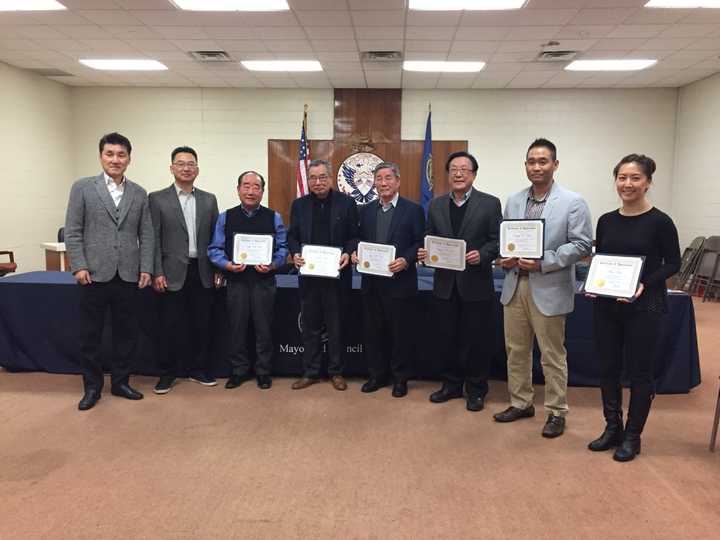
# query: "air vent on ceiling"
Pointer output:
{"type": "Point", "coordinates": [382, 56]}
{"type": "Point", "coordinates": [556, 56]}
{"type": "Point", "coordinates": [211, 56]}
{"type": "Point", "coordinates": [50, 72]}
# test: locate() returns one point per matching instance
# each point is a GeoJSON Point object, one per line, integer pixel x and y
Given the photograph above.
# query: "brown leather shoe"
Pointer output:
{"type": "Point", "coordinates": [304, 382]}
{"type": "Point", "coordinates": [338, 382]}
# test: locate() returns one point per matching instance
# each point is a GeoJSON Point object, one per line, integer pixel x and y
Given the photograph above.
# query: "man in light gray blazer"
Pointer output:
{"type": "Point", "coordinates": [109, 240]}
{"type": "Point", "coordinates": [538, 294]}
{"type": "Point", "coordinates": [184, 219]}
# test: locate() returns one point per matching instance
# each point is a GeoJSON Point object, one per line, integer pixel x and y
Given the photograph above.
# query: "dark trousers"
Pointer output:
{"type": "Point", "coordinates": [251, 300]}
{"type": "Point", "coordinates": [121, 297]}
{"type": "Point", "coordinates": [321, 303]}
{"type": "Point", "coordinates": [186, 312]}
{"type": "Point", "coordinates": [627, 337]}
{"type": "Point", "coordinates": [466, 331]}
{"type": "Point", "coordinates": [388, 343]}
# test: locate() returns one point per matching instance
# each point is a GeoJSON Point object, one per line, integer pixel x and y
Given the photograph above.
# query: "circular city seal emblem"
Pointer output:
{"type": "Point", "coordinates": [355, 177]}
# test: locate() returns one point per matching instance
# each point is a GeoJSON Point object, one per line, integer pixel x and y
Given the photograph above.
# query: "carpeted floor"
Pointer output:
{"type": "Point", "coordinates": [245, 463]}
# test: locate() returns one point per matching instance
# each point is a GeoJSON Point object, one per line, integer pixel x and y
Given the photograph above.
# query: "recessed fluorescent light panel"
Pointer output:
{"type": "Point", "coordinates": [468, 5]}
{"type": "Point", "coordinates": [232, 5]}
{"type": "Point", "coordinates": [687, 4]}
{"type": "Point", "coordinates": [609, 65]}
{"type": "Point", "coordinates": [125, 65]}
{"type": "Point", "coordinates": [30, 5]}
{"type": "Point", "coordinates": [443, 67]}
{"type": "Point", "coordinates": [282, 65]}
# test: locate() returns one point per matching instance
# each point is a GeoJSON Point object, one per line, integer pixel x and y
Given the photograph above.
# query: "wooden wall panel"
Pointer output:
{"type": "Point", "coordinates": [370, 113]}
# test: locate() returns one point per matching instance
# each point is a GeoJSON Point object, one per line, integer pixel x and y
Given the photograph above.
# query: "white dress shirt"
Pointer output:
{"type": "Point", "coordinates": [187, 203]}
{"type": "Point", "coordinates": [116, 190]}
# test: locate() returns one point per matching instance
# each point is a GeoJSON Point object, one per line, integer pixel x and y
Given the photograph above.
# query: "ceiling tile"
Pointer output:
{"type": "Point", "coordinates": [439, 33]}
{"type": "Point", "coordinates": [482, 33]}
{"type": "Point", "coordinates": [670, 44]}
{"type": "Point", "coordinates": [427, 46]}
{"type": "Point", "coordinates": [324, 18]}
{"type": "Point", "coordinates": [478, 47]}
{"type": "Point", "coordinates": [625, 44]}
{"type": "Point", "coordinates": [514, 57]}
{"type": "Point", "coordinates": [456, 80]}
{"type": "Point", "coordinates": [689, 30]}
{"type": "Point", "coordinates": [110, 17]}
{"type": "Point", "coordinates": [376, 4]}
{"type": "Point", "coordinates": [658, 16]}
{"type": "Point", "coordinates": [637, 30]}
{"type": "Point", "coordinates": [196, 44]}
{"type": "Point", "coordinates": [181, 32]}
{"type": "Point", "coordinates": [378, 18]}
{"type": "Point", "coordinates": [520, 17]}
{"type": "Point", "coordinates": [277, 45]}
{"type": "Point", "coordinates": [378, 32]}
{"type": "Point", "coordinates": [380, 44]}
{"type": "Point", "coordinates": [331, 32]}
{"type": "Point", "coordinates": [309, 5]}
{"type": "Point", "coordinates": [519, 46]}
{"type": "Point", "coordinates": [524, 33]}
{"type": "Point", "coordinates": [338, 56]}
{"type": "Point", "coordinates": [584, 31]}
{"type": "Point", "coordinates": [430, 56]}
{"type": "Point", "coordinates": [383, 79]}
{"type": "Point", "coordinates": [433, 18]}
{"type": "Point", "coordinates": [242, 45]}
{"type": "Point", "coordinates": [335, 45]}
{"type": "Point", "coordinates": [602, 16]}
{"type": "Point", "coordinates": [533, 79]}
{"type": "Point", "coordinates": [279, 32]}
{"type": "Point", "coordinates": [705, 44]}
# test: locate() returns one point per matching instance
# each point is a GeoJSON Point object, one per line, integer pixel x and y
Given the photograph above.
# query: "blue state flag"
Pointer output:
{"type": "Point", "coordinates": [426, 174]}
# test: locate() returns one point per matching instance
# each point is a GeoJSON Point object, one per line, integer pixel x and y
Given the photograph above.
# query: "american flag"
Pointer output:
{"type": "Point", "coordinates": [303, 160]}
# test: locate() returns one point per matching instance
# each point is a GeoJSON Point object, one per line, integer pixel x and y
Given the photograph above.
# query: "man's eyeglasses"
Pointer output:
{"type": "Point", "coordinates": [318, 178]}
{"type": "Point", "coordinates": [462, 171]}
{"type": "Point", "coordinates": [184, 164]}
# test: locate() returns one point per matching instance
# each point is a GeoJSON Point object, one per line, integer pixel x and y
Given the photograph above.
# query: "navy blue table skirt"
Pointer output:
{"type": "Point", "coordinates": [39, 313]}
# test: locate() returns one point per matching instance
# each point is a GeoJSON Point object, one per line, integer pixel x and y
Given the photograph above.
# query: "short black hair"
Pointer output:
{"type": "Point", "coordinates": [183, 150]}
{"type": "Point", "coordinates": [464, 154]}
{"type": "Point", "coordinates": [260, 176]}
{"type": "Point", "coordinates": [543, 143]}
{"type": "Point", "coordinates": [115, 138]}
{"type": "Point", "coordinates": [646, 163]}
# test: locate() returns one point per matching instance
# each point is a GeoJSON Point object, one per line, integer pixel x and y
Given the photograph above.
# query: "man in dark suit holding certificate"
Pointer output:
{"type": "Point", "coordinates": [250, 287]}
{"type": "Point", "coordinates": [388, 301]}
{"type": "Point", "coordinates": [325, 217]}
{"type": "Point", "coordinates": [184, 220]}
{"type": "Point", "coordinates": [465, 300]}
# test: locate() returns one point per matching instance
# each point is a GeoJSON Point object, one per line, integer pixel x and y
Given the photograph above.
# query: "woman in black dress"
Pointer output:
{"type": "Point", "coordinates": [632, 326]}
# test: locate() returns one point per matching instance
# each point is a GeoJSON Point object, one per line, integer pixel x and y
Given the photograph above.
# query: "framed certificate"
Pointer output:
{"type": "Point", "coordinates": [447, 253]}
{"type": "Point", "coordinates": [252, 249]}
{"type": "Point", "coordinates": [522, 238]}
{"type": "Point", "coordinates": [321, 261]}
{"type": "Point", "coordinates": [375, 258]}
{"type": "Point", "coordinates": [614, 276]}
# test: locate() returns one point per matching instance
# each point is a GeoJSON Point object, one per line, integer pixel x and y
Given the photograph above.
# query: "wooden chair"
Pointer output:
{"type": "Point", "coordinates": [7, 267]}
{"type": "Point", "coordinates": [713, 435]}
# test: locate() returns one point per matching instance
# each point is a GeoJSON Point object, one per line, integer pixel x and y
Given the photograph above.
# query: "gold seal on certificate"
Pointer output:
{"type": "Point", "coordinates": [615, 276]}
{"type": "Point", "coordinates": [375, 258]}
{"type": "Point", "coordinates": [522, 238]}
{"type": "Point", "coordinates": [447, 253]}
{"type": "Point", "coordinates": [252, 249]}
{"type": "Point", "coordinates": [321, 261]}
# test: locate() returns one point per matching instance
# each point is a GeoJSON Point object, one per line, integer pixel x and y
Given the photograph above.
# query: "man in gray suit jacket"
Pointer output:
{"type": "Point", "coordinates": [184, 220]}
{"type": "Point", "coordinates": [465, 301]}
{"type": "Point", "coordinates": [538, 294]}
{"type": "Point", "coordinates": [109, 239]}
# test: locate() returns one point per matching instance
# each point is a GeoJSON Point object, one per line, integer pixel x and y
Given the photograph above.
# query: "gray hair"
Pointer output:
{"type": "Point", "coordinates": [387, 165]}
{"type": "Point", "coordinates": [321, 162]}
{"type": "Point", "coordinates": [260, 176]}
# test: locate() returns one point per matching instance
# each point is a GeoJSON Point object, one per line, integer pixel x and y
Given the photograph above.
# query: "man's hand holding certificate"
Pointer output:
{"type": "Point", "coordinates": [447, 253]}
{"type": "Point", "coordinates": [252, 249]}
{"type": "Point", "coordinates": [522, 238]}
{"type": "Point", "coordinates": [321, 261]}
{"type": "Point", "coordinates": [375, 259]}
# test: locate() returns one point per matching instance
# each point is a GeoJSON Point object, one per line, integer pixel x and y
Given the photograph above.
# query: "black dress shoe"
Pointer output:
{"type": "Point", "coordinates": [126, 391]}
{"type": "Point", "coordinates": [554, 426]}
{"type": "Point", "coordinates": [373, 385]}
{"type": "Point", "coordinates": [235, 380]}
{"type": "Point", "coordinates": [399, 389]}
{"type": "Point", "coordinates": [446, 393]}
{"type": "Point", "coordinates": [513, 413]}
{"type": "Point", "coordinates": [164, 385]}
{"type": "Point", "coordinates": [264, 382]}
{"type": "Point", "coordinates": [89, 400]}
{"type": "Point", "coordinates": [475, 403]}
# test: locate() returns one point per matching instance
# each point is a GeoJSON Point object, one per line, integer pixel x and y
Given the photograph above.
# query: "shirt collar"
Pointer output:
{"type": "Point", "coordinates": [463, 199]}
{"type": "Point", "coordinates": [109, 181]}
{"type": "Point", "coordinates": [180, 191]}
{"type": "Point", "coordinates": [249, 212]}
{"type": "Point", "coordinates": [544, 198]}
{"type": "Point", "coordinates": [392, 203]}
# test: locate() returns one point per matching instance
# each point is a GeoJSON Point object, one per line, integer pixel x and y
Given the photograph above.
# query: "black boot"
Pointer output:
{"type": "Point", "coordinates": [612, 409]}
{"type": "Point", "coordinates": [641, 396]}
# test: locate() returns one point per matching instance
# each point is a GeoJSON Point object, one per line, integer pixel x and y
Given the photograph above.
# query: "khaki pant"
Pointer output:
{"type": "Point", "coordinates": [523, 321]}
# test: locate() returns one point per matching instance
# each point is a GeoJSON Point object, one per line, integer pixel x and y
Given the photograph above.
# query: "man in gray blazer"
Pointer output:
{"type": "Point", "coordinates": [538, 294]}
{"type": "Point", "coordinates": [184, 220]}
{"type": "Point", "coordinates": [465, 301]}
{"type": "Point", "coordinates": [109, 239]}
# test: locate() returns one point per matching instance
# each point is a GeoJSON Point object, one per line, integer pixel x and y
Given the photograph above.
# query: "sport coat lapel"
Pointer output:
{"type": "Point", "coordinates": [127, 200]}
{"type": "Point", "coordinates": [334, 214]}
{"type": "Point", "coordinates": [473, 202]}
{"type": "Point", "coordinates": [306, 236]}
{"type": "Point", "coordinates": [104, 194]}
{"type": "Point", "coordinates": [174, 201]}
{"type": "Point", "coordinates": [371, 221]}
{"type": "Point", "coordinates": [553, 196]}
{"type": "Point", "coordinates": [445, 214]}
{"type": "Point", "coordinates": [396, 218]}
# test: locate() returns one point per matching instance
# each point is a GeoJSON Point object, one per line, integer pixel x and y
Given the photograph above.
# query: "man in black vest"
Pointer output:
{"type": "Point", "coordinates": [250, 289]}
{"type": "Point", "coordinates": [329, 218]}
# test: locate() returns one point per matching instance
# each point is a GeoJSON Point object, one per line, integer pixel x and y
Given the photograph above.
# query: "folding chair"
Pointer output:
{"type": "Point", "coordinates": [688, 263]}
{"type": "Point", "coordinates": [706, 265]}
{"type": "Point", "coordinates": [713, 435]}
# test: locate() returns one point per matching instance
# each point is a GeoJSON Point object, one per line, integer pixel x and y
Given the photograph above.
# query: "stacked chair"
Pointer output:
{"type": "Point", "coordinates": [688, 264]}
{"type": "Point", "coordinates": [706, 276]}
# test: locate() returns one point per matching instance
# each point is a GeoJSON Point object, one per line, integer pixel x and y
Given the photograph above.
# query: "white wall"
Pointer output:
{"type": "Point", "coordinates": [592, 129]}
{"type": "Point", "coordinates": [37, 163]}
{"type": "Point", "coordinates": [228, 128]}
{"type": "Point", "coordinates": [696, 188]}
